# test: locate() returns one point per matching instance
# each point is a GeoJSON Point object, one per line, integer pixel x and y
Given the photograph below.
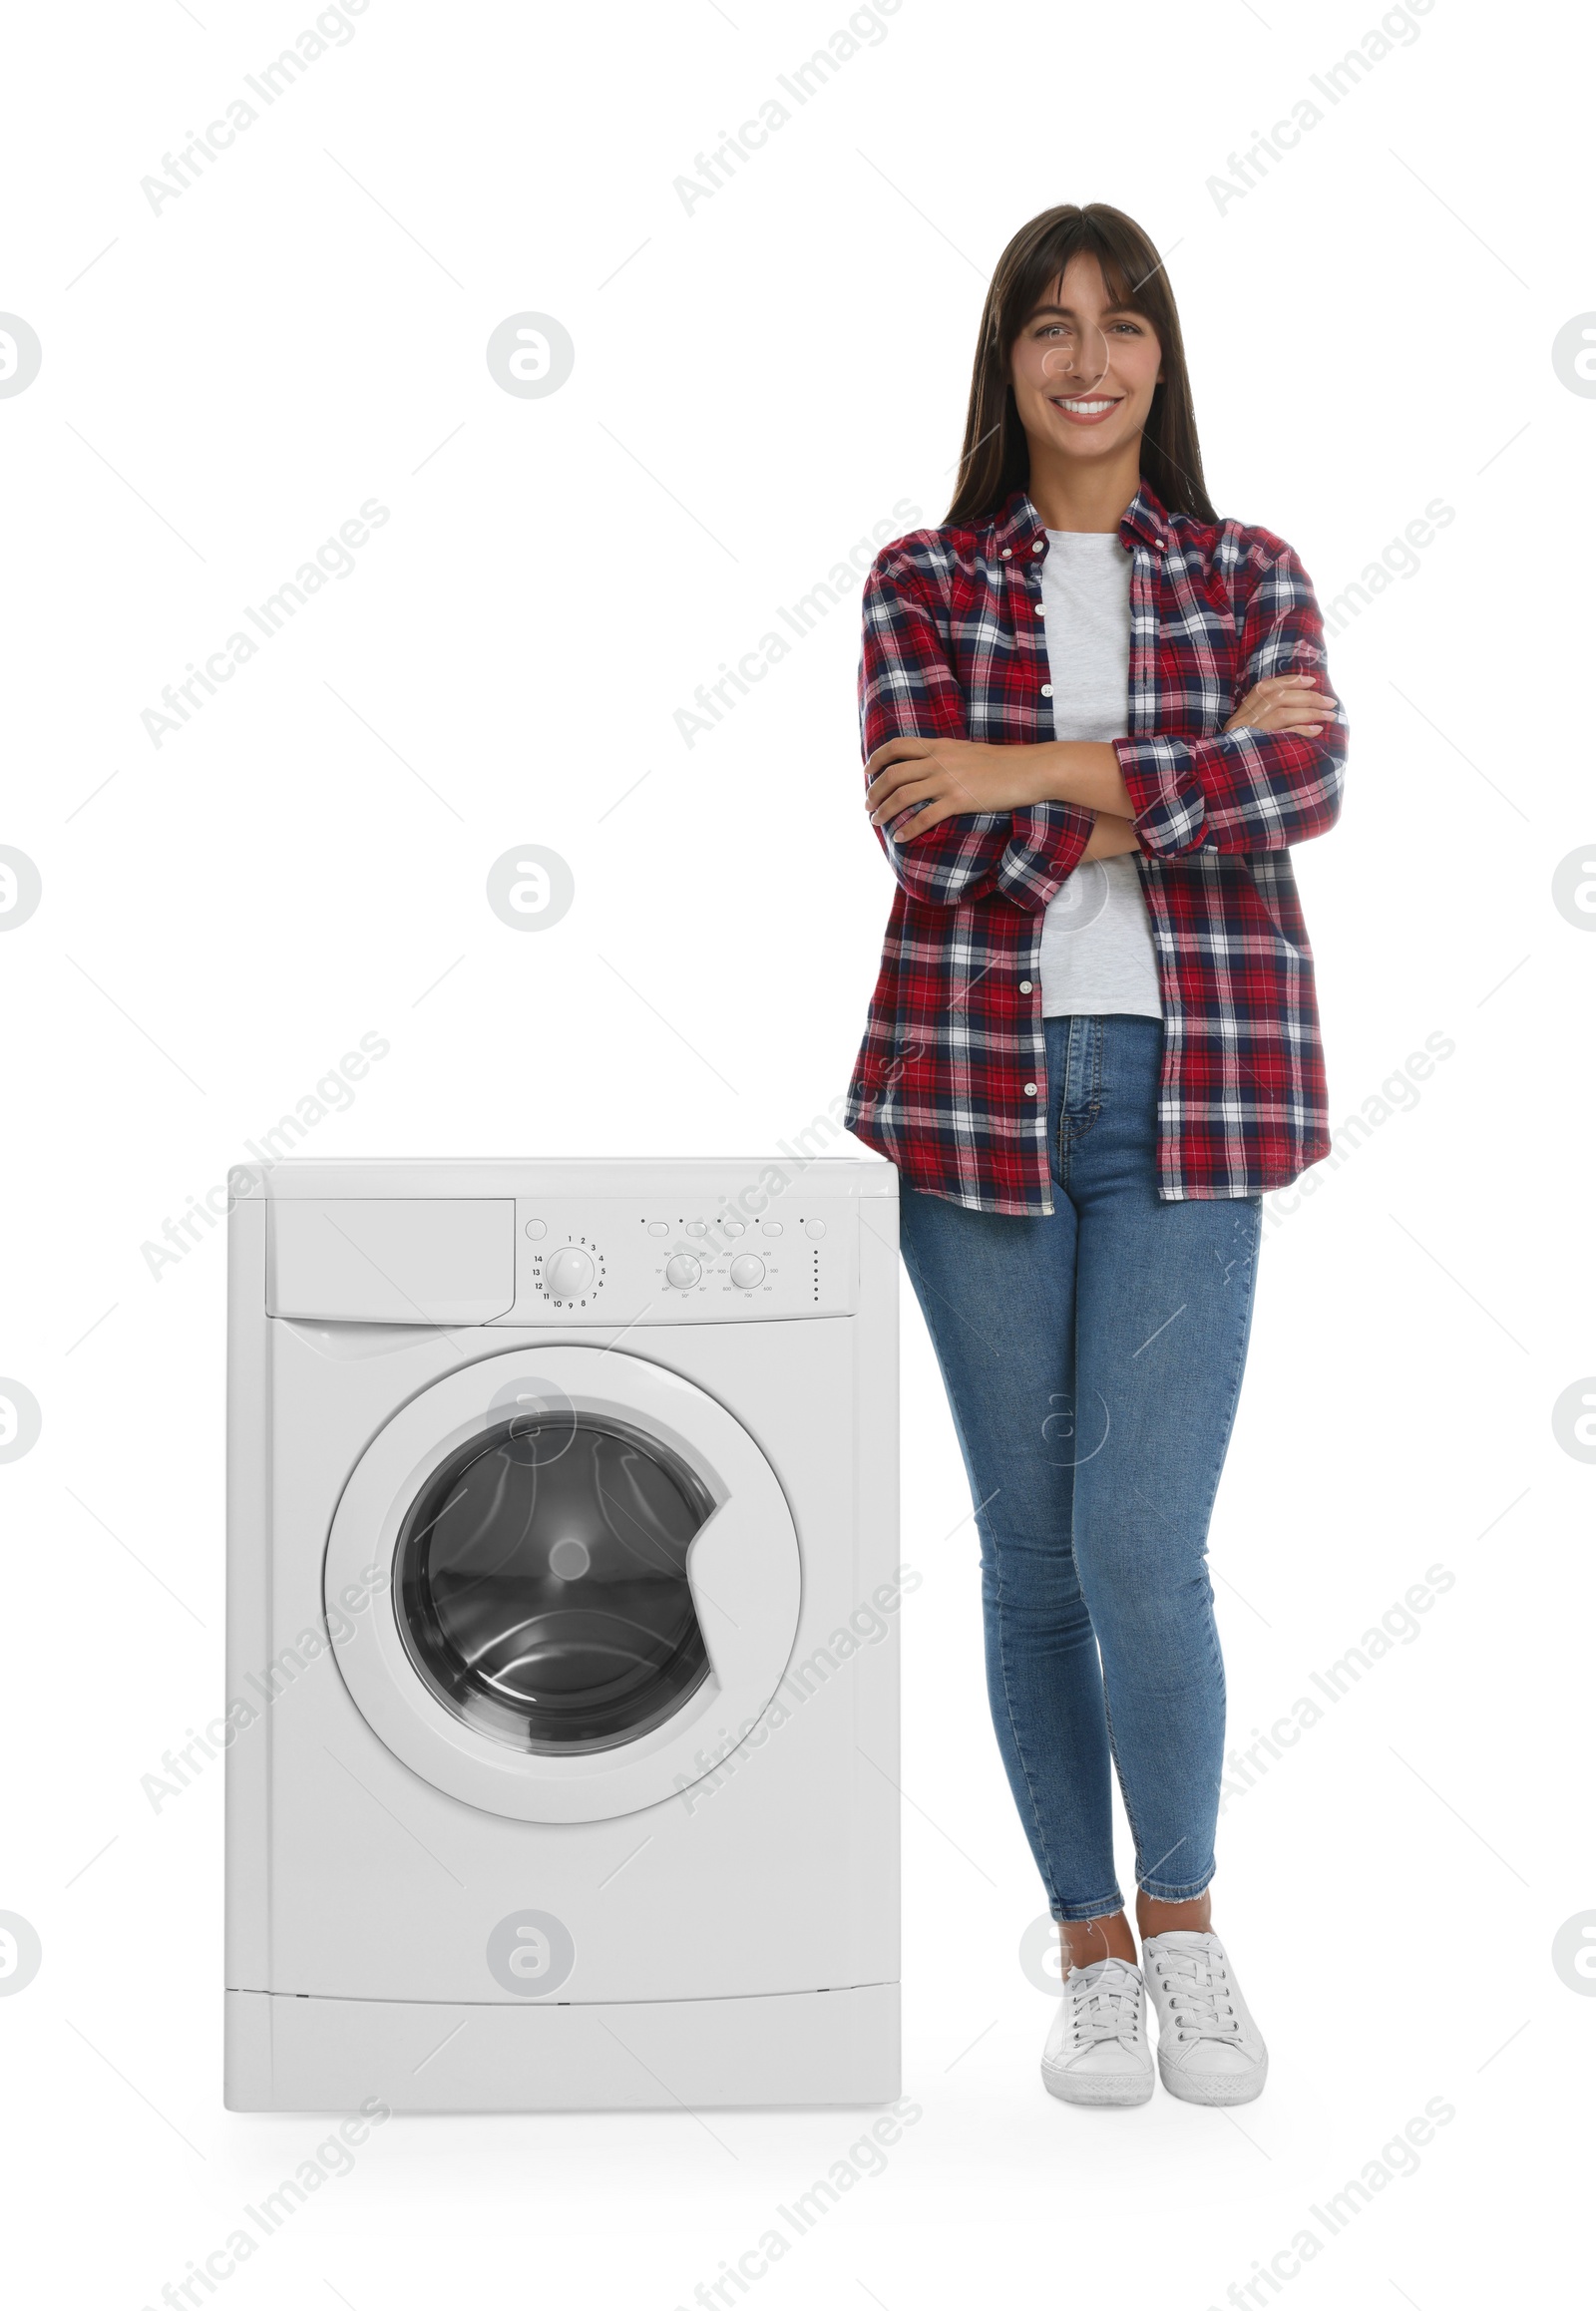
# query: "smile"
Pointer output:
{"type": "Point", "coordinates": [1084, 412]}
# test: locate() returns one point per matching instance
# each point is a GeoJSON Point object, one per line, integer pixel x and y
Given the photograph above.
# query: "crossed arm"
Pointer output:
{"type": "Point", "coordinates": [961, 818]}
{"type": "Point", "coordinates": [917, 783]}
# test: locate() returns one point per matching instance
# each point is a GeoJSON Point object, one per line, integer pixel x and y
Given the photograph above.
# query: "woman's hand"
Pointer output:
{"type": "Point", "coordinates": [918, 782]}
{"type": "Point", "coordinates": [933, 779]}
{"type": "Point", "coordinates": [1284, 702]}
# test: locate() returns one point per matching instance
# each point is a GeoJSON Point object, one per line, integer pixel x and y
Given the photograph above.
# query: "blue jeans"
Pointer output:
{"type": "Point", "coordinates": [1093, 1360]}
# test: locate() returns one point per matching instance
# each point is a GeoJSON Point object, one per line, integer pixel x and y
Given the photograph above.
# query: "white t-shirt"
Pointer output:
{"type": "Point", "coordinates": [1096, 942]}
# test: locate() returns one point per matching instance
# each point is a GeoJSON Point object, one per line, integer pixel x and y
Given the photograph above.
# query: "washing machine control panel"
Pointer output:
{"type": "Point", "coordinates": [623, 1260]}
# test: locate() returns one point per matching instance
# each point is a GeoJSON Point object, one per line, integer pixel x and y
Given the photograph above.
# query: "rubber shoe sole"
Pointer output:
{"type": "Point", "coordinates": [1114, 2090]}
{"type": "Point", "coordinates": [1214, 2092]}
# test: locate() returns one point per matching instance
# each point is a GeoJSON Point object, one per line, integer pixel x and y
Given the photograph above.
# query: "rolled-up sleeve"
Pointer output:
{"type": "Point", "coordinates": [1246, 790]}
{"type": "Point", "coordinates": [908, 689]}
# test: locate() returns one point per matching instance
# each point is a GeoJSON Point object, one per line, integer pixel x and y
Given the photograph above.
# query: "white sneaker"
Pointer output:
{"type": "Point", "coordinates": [1097, 2049]}
{"type": "Point", "coordinates": [1210, 2050]}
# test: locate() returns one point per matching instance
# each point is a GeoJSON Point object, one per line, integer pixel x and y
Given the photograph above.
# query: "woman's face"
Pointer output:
{"type": "Point", "coordinates": [1083, 370]}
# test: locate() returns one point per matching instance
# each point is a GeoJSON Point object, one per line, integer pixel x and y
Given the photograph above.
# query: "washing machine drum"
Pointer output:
{"type": "Point", "coordinates": [542, 1583]}
{"type": "Point", "coordinates": [563, 1577]}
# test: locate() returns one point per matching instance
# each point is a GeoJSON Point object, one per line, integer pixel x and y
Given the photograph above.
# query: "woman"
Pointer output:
{"type": "Point", "coordinates": [1095, 718]}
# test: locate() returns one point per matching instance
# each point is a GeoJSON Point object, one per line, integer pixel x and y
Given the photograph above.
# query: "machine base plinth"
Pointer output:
{"type": "Point", "coordinates": [334, 2053]}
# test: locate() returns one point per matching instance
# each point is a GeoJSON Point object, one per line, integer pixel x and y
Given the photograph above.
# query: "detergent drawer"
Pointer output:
{"type": "Point", "coordinates": [392, 1259]}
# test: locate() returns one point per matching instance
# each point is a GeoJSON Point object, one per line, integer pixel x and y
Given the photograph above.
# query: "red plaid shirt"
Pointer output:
{"type": "Point", "coordinates": [950, 1080]}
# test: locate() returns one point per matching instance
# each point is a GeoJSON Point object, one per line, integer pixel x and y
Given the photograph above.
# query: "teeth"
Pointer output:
{"type": "Point", "coordinates": [1085, 408]}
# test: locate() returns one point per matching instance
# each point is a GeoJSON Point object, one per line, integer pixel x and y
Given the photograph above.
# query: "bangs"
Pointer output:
{"type": "Point", "coordinates": [1040, 281]}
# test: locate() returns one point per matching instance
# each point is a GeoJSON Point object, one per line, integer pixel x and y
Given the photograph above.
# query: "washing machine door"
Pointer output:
{"type": "Point", "coordinates": [583, 1577]}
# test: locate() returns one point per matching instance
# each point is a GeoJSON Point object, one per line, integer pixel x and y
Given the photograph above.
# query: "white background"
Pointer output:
{"type": "Point", "coordinates": [756, 384]}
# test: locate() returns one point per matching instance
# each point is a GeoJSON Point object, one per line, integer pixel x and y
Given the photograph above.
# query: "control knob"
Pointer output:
{"type": "Point", "coordinates": [569, 1274]}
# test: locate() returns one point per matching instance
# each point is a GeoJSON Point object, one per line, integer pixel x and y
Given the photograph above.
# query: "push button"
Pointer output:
{"type": "Point", "coordinates": [659, 1228]}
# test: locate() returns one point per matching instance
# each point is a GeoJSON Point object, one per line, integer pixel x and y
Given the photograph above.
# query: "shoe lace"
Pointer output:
{"type": "Point", "coordinates": [1108, 2006]}
{"type": "Point", "coordinates": [1198, 1991]}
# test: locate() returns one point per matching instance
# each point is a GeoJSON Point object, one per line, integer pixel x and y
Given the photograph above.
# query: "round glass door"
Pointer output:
{"type": "Point", "coordinates": [541, 1583]}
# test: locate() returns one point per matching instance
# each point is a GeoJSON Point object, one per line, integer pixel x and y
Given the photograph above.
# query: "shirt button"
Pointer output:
{"type": "Point", "coordinates": [1024, 986]}
{"type": "Point", "coordinates": [1036, 549]}
{"type": "Point", "coordinates": [1030, 1090]}
{"type": "Point", "coordinates": [1047, 689]}
{"type": "Point", "coordinates": [1008, 553]}
{"type": "Point", "coordinates": [1040, 613]}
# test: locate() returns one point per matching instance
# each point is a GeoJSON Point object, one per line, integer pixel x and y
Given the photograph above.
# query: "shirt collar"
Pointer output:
{"type": "Point", "coordinates": [1019, 525]}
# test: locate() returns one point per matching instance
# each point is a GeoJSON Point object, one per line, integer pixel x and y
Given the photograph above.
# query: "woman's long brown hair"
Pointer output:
{"type": "Point", "coordinates": [995, 459]}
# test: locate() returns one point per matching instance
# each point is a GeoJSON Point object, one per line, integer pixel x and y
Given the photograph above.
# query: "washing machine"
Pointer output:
{"type": "Point", "coordinates": [563, 1618]}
